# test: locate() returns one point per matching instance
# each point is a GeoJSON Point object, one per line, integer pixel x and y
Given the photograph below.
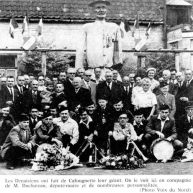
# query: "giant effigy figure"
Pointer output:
{"type": "Point", "coordinates": [101, 40]}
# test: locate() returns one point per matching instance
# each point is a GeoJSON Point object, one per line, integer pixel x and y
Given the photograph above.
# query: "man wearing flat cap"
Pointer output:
{"type": "Point", "coordinates": [101, 40]}
{"type": "Point", "coordinates": [19, 143]}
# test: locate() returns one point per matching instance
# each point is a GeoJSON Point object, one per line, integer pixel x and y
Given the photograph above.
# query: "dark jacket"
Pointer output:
{"type": "Point", "coordinates": [57, 99]}
{"type": "Point", "coordinates": [154, 125]}
{"type": "Point", "coordinates": [44, 134]}
{"type": "Point", "coordinates": [28, 101]}
{"type": "Point", "coordinates": [112, 95]}
{"type": "Point", "coordinates": [81, 97]}
{"type": "Point", "coordinates": [7, 124]}
{"type": "Point", "coordinates": [6, 95]}
{"type": "Point", "coordinates": [183, 126]}
{"type": "Point", "coordinates": [180, 105]}
{"type": "Point", "coordinates": [17, 137]}
{"type": "Point", "coordinates": [85, 130]}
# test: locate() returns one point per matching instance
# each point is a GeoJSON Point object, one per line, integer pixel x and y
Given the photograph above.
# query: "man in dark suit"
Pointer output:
{"type": "Point", "coordinates": [188, 92]}
{"type": "Point", "coordinates": [127, 93]}
{"type": "Point", "coordinates": [59, 96]}
{"type": "Point", "coordinates": [31, 98]}
{"type": "Point", "coordinates": [8, 93]}
{"type": "Point", "coordinates": [33, 118]}
{"type": "Point", "coordinates": [185, 124]}
{"type": "Point", "coordinates": [89, 85]}
{"type": "Point", "coordinates": [166, 76]}
{"type": "Point", "coordinates": [110, 89]}
{"type": "Point", "coordinates": [19, 87]}
{"type": "Point", "coordinates": [180, 105]}
{"type": "Point", "coordinates": [166, 98]}
{"type": "Point", "coordinates": [68, 84]}
{"type": "Point", "coordinates": [161, 126]}
{"type": "Point", "coordinates": [78, 95]}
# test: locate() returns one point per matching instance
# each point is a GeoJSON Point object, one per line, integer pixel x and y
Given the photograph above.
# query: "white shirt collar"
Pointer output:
{"type": "Point", "coordinates": [89, 120]}
{"type": "Point", "coordinates": [159, 117]}
{"type": "Point", "coordinates": [134, 123]}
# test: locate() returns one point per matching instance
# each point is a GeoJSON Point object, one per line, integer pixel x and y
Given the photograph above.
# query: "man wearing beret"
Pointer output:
{"type": "Point", "coordinates": [101, 40]}
{"type": "Point", "coordinates": [47, 132]}
{"type": "Point", "coordinates": [161, 126]}
{"type": "Point", "coordinates": [19, 143]}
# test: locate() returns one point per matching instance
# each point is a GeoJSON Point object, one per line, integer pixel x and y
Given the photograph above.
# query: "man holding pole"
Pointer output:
{"type": "Point", "coordinates": [101, 40]}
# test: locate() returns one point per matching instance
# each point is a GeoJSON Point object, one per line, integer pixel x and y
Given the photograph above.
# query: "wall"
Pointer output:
{"type": "Point", "coordinates": [67, 36]}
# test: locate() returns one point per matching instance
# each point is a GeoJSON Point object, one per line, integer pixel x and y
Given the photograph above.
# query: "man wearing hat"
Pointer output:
{"type": "Point", "coordinates": [185, 124]}
{"type": "Point", "coordinates": [47, 132]}
{"type": "Point", "coordinates": [100, 39]}
{"type": "Point", "coordinates": [162, 126]}
{"type": "Point", "coordinates": [166, 98]}
{"type": "Point", "coordinates": [19, 143]}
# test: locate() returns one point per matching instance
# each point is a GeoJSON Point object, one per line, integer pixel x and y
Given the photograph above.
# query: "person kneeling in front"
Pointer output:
{"type": "Point", "coordinates": [19, 143]}
{"type": "Point", "coordinates": [122, 134]}
{"type": "Point", "coordinates": [68, 128]}
{"type": "Point", "coordinates": [163, 127]}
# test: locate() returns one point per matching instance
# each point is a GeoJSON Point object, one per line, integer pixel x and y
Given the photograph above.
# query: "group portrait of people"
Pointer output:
{"type": "Point", "coordinates": [95, 104]}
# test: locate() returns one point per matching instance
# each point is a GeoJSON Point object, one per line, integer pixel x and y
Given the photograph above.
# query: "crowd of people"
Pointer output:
{"type": "Point", "coordinates": [79, 106]}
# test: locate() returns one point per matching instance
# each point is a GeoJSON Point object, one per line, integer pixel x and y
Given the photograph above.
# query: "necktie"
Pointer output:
{"type": "Point", "coordinates": [187, 84]}
{"type": "Point", "coordinates": [34, 95]}
{"type": "Point", "coordinates": [21, 90]}
{"type": "Point", "coordinates": [12, 94]}
{"type": "Point", "coordinates": [109, 86]}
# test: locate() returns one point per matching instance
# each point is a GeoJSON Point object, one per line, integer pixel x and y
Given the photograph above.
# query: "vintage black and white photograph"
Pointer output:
{"type": "Point", "coordinates": [96, 87]}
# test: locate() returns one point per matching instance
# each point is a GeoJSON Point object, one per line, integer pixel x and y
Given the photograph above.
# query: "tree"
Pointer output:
{"type": "Point", "coordinates": [30, 61]}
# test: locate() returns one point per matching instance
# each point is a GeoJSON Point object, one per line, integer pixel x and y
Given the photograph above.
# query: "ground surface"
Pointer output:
{"type": "Point", "coordinates": [172, 168]}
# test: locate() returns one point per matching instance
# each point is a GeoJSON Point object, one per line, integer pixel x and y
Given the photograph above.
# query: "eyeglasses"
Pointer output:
{"type": "Point", "coordinates": [88, 75]}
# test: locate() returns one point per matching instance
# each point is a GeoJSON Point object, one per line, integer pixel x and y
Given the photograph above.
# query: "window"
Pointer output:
{"type": "Point", "coordinates": [7, 61]}
{"type": "Point", "coordinates": [177, 15]}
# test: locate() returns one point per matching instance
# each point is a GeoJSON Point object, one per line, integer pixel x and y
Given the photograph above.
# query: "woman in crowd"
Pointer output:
{"type": "Point", "coordinates": [145, 100]}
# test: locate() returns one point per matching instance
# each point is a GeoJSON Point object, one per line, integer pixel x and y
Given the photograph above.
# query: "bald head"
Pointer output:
{"type": "Point", "coordinates": [126, 81]}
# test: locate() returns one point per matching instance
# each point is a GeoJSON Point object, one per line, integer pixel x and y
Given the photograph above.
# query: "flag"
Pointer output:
{"type": "Point", "coordinates": [30, 43]}
{"type": "Point", "coordinates": [25, 24]}
{"type": "Point", "coordinates": [136, 24]}
{"type": "Point", "coordinates": [124, 27]}
{"type": "Point", "coordinates": [12, 26]}
{"type": "Point", "coordinates": [141, 44]}
{"type": "Point", "coordinates": [148, 29]}
{"type": "Point", "coordinates": [40, 27]}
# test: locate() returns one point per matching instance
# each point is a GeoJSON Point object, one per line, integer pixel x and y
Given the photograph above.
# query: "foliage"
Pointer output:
{"type": "Point", "coordinates": [30, 62]}
{"type": "Point", "coordinates": [160, 61]}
